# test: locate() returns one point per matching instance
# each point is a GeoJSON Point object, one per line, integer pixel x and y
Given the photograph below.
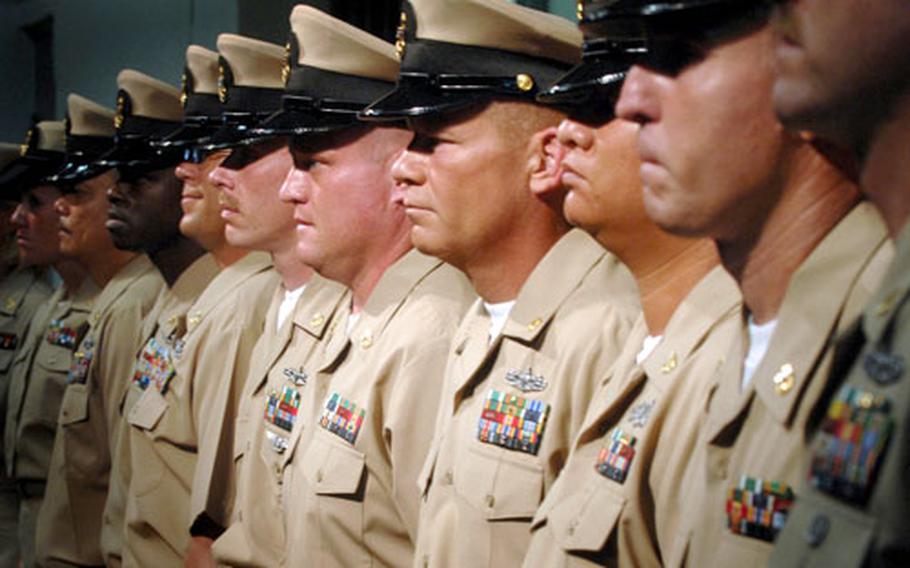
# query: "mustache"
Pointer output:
{"type": "Point", "coordinates": [225, 200]}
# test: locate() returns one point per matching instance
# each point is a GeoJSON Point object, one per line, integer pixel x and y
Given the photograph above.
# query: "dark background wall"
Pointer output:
{"type": "Point", "coordinates": [49, 48]}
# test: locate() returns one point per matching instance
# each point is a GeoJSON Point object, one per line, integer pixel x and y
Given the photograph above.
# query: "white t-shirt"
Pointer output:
{"type": "Point", "coordinates": [352, 321]}
{"type": "Point", "coordinates": [499, 313]}
{"type": "Point", "coordinates": [287, 305]}
{"type": "Point", "coordinates": [759, 340]}
{"type": "Point", "coordinates": [647, 347]}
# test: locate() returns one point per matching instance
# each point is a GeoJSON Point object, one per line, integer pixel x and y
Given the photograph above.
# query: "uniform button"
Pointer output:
{"type": "Point", "coordinates": [490, 501]}
{"type": "Point", "coordinates": [319, 476]}
{"type": "Point", "coordinates": [572, 525]}
{"type": "Point", "coordinates": [448, 478]}
{"type": "Point", "coordinates": [818, 530]}
{"type": "Point", "coordinates": [425, 561]}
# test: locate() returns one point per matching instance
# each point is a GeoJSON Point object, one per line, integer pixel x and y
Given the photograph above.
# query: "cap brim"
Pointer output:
{"type": "Point", "coordinates": [413, 100]}
{"type": "Point", "coordinates": [231, 135]}
{"type": "Point", "coordinates": [77, 172]}
{"type": "Point", "coordinates": [296, 123]}
{"type": "Point", "coordinates": [590, 81]}
{"type": "Point", "coordinates": [25, 172]}
{"type": "Point", "coordinates": [186, 136]}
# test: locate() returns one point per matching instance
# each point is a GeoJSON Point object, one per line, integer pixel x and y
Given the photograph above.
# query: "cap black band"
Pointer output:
{"type": "Point", "coordinates": [202, 105]}
{"type": "Point", "coordinates": [329, 89]}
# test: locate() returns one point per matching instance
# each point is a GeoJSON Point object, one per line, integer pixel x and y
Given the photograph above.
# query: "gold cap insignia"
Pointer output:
{"type": "Point", "coordinates": [121, 106]}
{"type": "Point", "coordinates": [580, 10]}
{"type": "Point", "coordinates": [286, 68]}
{"type": "Point", "coordinates": [222, 85]}
{"type": "Point", "coordinates": [23, 149]}
{"type": "Point", "coordinates": [400, 41]}
{"type": "Point", "coordinates": [184, 91]}
{"type": "Point", "coordinates": [524, 82]}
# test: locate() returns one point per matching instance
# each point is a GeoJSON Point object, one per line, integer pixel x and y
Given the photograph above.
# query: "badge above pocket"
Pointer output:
{"type": "Point", "coordinates": [512, 422]}
{"type": "Point", "coordinates": [850, 444]}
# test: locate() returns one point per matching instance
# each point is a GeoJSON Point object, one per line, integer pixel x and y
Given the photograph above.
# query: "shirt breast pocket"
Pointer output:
{"type": "Point", "coordinates": [584, 521]}
{"type": "Point", "coordinates": [333, 469]}
{"type": "Point", "coordinates": [74, 408]}
{"type": "Point", "coordinates": [501, 487]}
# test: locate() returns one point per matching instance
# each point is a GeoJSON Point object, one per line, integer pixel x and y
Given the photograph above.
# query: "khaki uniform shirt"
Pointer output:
{"type": "Point", "coordinates": [69, 523]}
{"type": "Point", "coordinates": [38, 379]}
{"type": "Point", "coordinates": [855, 506]}
{"type": "Point", "coordinates": [511, 407]}
{"type": "Point", "coordinates": [621, 482]}
{"type": "Point", "coordinates": [185, 407]}
{"type": "Point", "coordinates": [270, 424]}
{"type": "Point", "coordinates": [750, 459]}
{"type": "Point", "coordinates": [162, 331]}
{"type": "Point", "coordinates": [22, 292]}
{"type": "Point", "coordinates": [353, 499]}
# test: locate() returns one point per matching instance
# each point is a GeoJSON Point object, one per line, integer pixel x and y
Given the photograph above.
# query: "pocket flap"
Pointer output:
{"type": "Point", "coordinates": [333, 468]}
{"type": "Point", "coordinates": [148, 410]}
{"type": "Point", "coordinates": [585, 520]}
{"type": "Point", "coordinates": [500, 486]}
{"type": "Point", "coordinates": [74, 407]}
{"type": "Point", "coordinates": [822, 531]}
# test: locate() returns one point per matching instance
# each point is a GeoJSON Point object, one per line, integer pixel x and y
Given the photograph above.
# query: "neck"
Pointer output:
{"type": "Point", "coordinates": [498, 272]}
{"type": "Point", "coordinates": [814, 198]}
{"type": "Point", "coordinates": [886, 167]}
{"type": "Point", "coordinates": [173, 259]}
{"type": "Point", "coordinates": [364, 281]}
{"type": "Point", "coordinates": [226, 255]}
{"type": "Point", "coordinates": [292, 272]}
{"type": "Point", "coordinates": [666, 268]}
{"type": "Point", "coordinates": [103, 268]}
{"type": "Point", "coordinates": [72, 274]}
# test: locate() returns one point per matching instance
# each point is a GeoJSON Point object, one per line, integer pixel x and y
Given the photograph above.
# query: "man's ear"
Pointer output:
{"type": "Point", "coordinates": [546, 162]}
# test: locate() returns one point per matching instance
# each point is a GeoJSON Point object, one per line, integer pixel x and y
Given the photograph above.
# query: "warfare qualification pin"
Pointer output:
{"type": "Point", "coordinates": [526, 381]}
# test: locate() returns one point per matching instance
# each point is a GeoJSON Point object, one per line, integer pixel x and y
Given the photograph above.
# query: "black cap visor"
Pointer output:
{"type": "Point", "coordinates": [28, 171]}
{"type": "Point", "coordinates": [440, 77]}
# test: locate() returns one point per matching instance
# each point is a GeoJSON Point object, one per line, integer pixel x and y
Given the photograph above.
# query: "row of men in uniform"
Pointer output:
{"type": "Point", "coordinates": [326, 306]}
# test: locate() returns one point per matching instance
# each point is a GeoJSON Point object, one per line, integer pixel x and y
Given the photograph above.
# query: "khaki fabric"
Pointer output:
{"type": "Point", "coordinates": [825, 528]}
{"type": "Point", "coordinates": [179, 412]}
{"type": "Point", "coordinates": [166, 325]}
{"type": "Point", "coordinates": [69, 523]}
{"type": "Point", "coordinates": [37, 381]}
{"type": "Point", "coordinates": [567, 327]}
{"type": "Point", "coordinates": [760, 433]}
{"type": "Point", "coordinates": [285, 363]}
{"type": "Point", "coordinates": [22, 292]}
{"type": "Point", "coordinates": [353, 500]}
{"type": "Point", "coordinates": [591, 519]}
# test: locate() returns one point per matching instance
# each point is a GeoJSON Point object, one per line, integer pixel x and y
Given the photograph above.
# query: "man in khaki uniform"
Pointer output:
{"type": "Point", "coordinates": [144, 216]}
{"type": "Point", "coordinates": [39, 370]}
{"type": "Point", "coordinates": [554, 307]}
{"type": "Point", "coordinates": [269, 422]}
{"type": "Point", "coordinates": [24, 287]}
{"type": "Point", "coordinates": [178, 420]}
{"type": "Point", "coordinates": [255, 218]}
{"type": "Point", "coordinates": [350, 495]}
{"type": "Point", "coordinates": [615, 500]}
{"type": "Point", "coordinates": [69, 522]}
{"type": "Point", "coordinates": [848, 83]}
{"type": "Point", "coordinates": [790, 229]}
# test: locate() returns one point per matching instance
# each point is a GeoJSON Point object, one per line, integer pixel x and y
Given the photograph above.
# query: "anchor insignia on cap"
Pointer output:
{"type": "Point", "coordinates": [23, 149]}
{"type": "Point", "coordinates": [184, 91]}
{"type": "Point", "coordinates": [121, 107]}
{"type": "Point", "coordinates": [286, 68]}
{"type": "Point", "coordinates": [400, 41]}
{"type": "Point", "coordinates": [222, 85]}
{"type": "Point", "coordinates": [526, 381]}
